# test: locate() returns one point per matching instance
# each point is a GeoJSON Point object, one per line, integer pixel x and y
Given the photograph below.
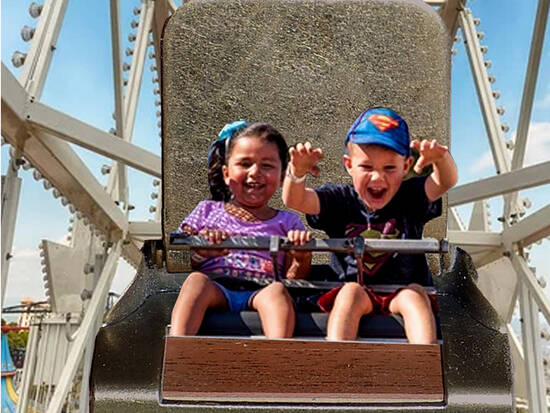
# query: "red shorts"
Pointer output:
{"type": "Point", "coordinates": [380, 302]}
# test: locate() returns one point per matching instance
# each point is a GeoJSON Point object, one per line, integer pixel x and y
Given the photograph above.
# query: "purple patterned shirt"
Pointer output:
{"type": "Point", "coordinates": [212, 214]}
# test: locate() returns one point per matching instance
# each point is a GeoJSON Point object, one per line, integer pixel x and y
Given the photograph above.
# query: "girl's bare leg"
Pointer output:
{"type": "Point", "coordinates": [276, 310]}
{"type": "Point", "coordinates": [351, 303]}
{"type": "Point", "coordinates": [415, 307]}
{"type": "Point", "coordinates": [197, 294]}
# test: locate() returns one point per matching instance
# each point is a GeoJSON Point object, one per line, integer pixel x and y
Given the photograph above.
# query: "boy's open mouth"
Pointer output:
{"type": "Point", "coordinates": [377, 193]}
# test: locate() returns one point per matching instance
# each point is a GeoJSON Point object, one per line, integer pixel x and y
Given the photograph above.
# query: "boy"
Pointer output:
{"type": "Point", "coordinates": [379, 205]}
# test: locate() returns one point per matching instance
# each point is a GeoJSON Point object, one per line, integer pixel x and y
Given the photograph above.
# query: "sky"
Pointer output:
{"type": "Point", "coordinates": [80, 84]}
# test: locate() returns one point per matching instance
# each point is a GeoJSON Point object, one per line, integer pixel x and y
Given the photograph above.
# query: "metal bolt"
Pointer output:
{"type": "Point", "coordinates": [157, 102]}
{"type": "Point", "coordinates": [488, 64]}
{"type": "Point", "coordinates": [152, 209]}
{"type": "Point", "coordinates": [480, 35]}
{"type": "Point", "coordinates": [35, 10]}
{"type": "Point", "coordinates": [27, 33]}
{"type": "Point", "coordinates": [137, 11]}
{"type": "Point", "coordinates": [64, 201]}
{"type": "Point", "coordinates": [501, 110]}
{"type": "Point", "coordinates": [505, 128]}
{"type": "Point", "coordinates": [129, 52]}
{"type": "Point", "coordinates": [484, 49]}
{"type": "Point", "coordinates": [477, 21]}
{"type": "Point", "coordinates": [151, 55]}
{"type": "Point", "coordinates": [36, 175]}
{"type": "Point", "coordinates": [496, 94]}
{"type": "Point", "coordinates": [18, 58]}
{"type": "Point", "coordinates": [153, 68]}
{"type": "Point", "coordinates": [155, 80]}
{"type": "Point", "coordinates": [125, 66]}
{"type": "Point", "coordinates": [454, 52]}
{"type": "Point", "coordinates": [105, 169]}
{"type": "Point", "coordinates": [132, 37]}
{"type": "Point", "coordinates": [491, 79]}
{"type": "Point", "coordinates": [156, 182]}
{"type": "Point", "coordinates": [134, 24]}
{"type": "Point", "coordinates": [156, 92]}
{"type": "Point", "coordinates": [154, 195]}
{"type": "Point", "coordinates": [510, 144]}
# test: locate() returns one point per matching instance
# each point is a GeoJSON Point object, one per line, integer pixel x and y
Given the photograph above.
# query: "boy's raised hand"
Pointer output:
{"type": "Point", "coordinates": [304, 158]}
{"type": "Point", "coordinates": [430, 152]}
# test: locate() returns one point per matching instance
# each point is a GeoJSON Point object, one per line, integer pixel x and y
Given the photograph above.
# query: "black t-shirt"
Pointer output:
{"type": "Point", "coordinates": [343, 215]}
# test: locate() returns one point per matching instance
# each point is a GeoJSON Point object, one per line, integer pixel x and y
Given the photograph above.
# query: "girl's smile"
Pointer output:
{"type": "Point", "coordinates": [253, 173]}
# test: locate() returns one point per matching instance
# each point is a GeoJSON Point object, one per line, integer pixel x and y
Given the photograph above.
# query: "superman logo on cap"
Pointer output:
{"type": "Point", "coordinates": [383, 122]}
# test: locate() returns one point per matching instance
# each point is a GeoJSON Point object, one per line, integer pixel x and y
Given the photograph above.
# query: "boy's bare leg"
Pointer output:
{"type": "Point", "coordinates": [415, 307]}
{"type": "Point", "coordinates": [197, 294]}
{"type": "Point", "coordinates": [351, 303]}
{"type": "Point", "coordinates": [276, 310]}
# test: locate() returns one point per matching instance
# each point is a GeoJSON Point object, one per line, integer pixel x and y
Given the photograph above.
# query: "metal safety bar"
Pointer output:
{"type": "Point", "coordinates": [179, 241]}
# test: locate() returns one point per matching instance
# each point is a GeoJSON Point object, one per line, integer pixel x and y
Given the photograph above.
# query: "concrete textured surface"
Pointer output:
{"type": "Point", "coordinates": [308, 68]}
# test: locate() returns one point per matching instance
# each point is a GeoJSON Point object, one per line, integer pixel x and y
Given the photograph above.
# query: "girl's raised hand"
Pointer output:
{"type": "Point", "coordinates": [304, 158]}
{"type": "Point", "coordinates": [430, 152]}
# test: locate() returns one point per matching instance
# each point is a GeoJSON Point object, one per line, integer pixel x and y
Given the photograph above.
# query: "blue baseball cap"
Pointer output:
{"type": "Point", "coordinates": [380, 126]}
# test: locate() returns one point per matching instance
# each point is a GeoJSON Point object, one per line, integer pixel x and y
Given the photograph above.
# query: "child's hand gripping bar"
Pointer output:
{"type": "Point", "coordinates": [179, 241]}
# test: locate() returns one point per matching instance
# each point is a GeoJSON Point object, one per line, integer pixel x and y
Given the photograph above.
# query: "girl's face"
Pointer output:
{"type": "Point", "coordinates": [253, 172]}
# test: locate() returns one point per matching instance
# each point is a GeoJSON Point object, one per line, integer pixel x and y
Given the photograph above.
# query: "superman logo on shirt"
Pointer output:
{"type": "Point", "coordinates": [372, 261]}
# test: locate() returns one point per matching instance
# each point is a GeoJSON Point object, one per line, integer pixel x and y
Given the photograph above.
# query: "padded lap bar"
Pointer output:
{"type": "Point", "coordinates": [307, 67]}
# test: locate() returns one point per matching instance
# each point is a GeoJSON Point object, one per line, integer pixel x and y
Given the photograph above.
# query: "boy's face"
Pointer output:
{"type": "Point", "coordinates": [377, 173]}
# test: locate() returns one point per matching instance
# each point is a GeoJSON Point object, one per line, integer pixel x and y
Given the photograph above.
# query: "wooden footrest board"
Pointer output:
{"type": "Point", "coordinates": [300, 371]}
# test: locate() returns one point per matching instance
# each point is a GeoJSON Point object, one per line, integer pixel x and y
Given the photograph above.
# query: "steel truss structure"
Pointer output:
{"type": "Point", "coordinates": [101, 231]}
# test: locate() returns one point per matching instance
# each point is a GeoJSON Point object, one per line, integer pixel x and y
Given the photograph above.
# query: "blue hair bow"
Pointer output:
{"type": "Point", "coordinates": [226, 133]}
{"type": "Point", "coordinates": [230, 128]}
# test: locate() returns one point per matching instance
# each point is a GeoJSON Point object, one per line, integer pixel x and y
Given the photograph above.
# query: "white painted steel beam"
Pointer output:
{"type": "Point", "coordinates": [58, 163]}
{"type": "Point", "coordinates": [75, 131]}
{"type": "Point", "coordinates": [484, 92]}
{"type": "Point", "coordinates": [475, 238]}
{"type": "Point", "coordinates": [500, 184]}
{"type": "Point", "coordinates": [37, 63]}
{"type": "Point", "coordinates": [145, 229]}
{"type": "Point", "coordinates": [449, 13]}
{"type": "Point", "coordinates": [530, 82]}
{"type": "Point", "coordinates": [161, 14]}
{"type": "Point", "coordinates": [530, 281]}
{"type": "Point", "coordinates": [136, 69]}
{"type": "Point", "coordinates": [530, 229]}
{"type": "Point", "coordinates": [532, 349]}
{"type": "Point", "coordinates": [172, 6]}
{"type": "Point", "coordinates": [528, 92]}
{"type": "Point", "coordinates": [86, 331]}
{"type": "Point", "coordinates": [117, 185]}
{"type": "Point", "coordinates": [11, 187]}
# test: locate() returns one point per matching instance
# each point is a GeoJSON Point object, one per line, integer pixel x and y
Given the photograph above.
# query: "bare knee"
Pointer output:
{"type": "Point", "coordinates": [273, 294]}
{"type": "Point", "coordinates": [414, 296]}
{"type": "Point", "coordinates": [352, 295]}
{"type": "Point", "coordinates": [196, 279]}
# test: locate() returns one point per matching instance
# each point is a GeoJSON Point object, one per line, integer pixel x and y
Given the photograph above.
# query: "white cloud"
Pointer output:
{"type": "Point", "coordinates": [24, 277]}
{"type": "Point", "coordinates": [545, 102]}
{"type": "Point", "coordinates": [538, 148]}
{"type": "Point", "coordinates": [480, 164]}
{"type": "Point", "coordinates": [538, 143]}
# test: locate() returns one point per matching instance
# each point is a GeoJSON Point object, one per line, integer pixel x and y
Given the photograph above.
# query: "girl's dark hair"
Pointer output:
{"type": "Point", "coordinates": [221, 151]}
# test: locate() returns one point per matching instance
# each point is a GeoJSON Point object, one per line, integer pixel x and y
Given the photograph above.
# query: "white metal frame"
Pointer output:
{"type": "Point", "coordinates": [40, 134]}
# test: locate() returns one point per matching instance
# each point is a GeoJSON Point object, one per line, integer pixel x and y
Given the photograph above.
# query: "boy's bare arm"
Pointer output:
{"type": "Point", "coordinates": [445, 173]}
{"type": "Point", "coordinates": [303, 160]}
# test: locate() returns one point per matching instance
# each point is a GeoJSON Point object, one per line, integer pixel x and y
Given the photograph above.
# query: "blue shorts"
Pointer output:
{"type": "Point", "coordinates": [237, 301]}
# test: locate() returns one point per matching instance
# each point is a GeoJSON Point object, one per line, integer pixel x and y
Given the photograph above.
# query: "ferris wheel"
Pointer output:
{"type": "Point", "coordinates": [78, 275]}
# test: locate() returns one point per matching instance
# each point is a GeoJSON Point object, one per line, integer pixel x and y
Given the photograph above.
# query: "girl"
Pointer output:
{"type": "Point", "coordinates": [246, 165]}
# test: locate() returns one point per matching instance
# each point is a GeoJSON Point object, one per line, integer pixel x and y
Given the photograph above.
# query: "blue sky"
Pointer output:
{"type": "Point", "coordinates": [80, 84]}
